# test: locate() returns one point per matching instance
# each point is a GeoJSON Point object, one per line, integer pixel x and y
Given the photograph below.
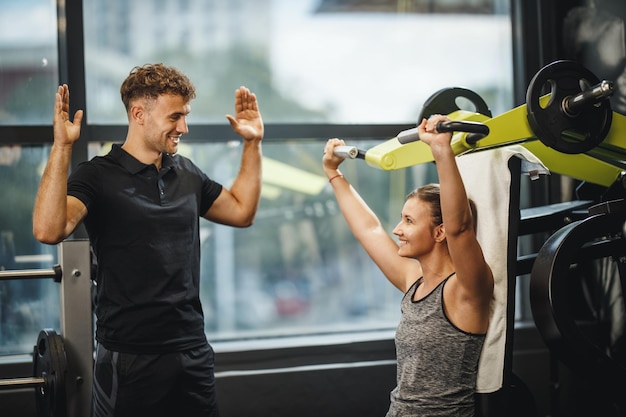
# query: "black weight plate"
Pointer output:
{"type": "Point", "coordinates": [571, 134]}
{"type": "Point", "coordinates": [50, 362]}
{"type": "Point", "coordinates": [448, 100]}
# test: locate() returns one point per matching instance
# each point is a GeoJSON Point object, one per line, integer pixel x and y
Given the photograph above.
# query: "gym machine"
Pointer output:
{"type": "Point", "coordinates": [582, 344]}
{"type": "Point", "coordinates": [571, 128]}
{"type": "Point", "coordinates": [63, 363]}
{"type": "Point", "coordinates": [568, 123]}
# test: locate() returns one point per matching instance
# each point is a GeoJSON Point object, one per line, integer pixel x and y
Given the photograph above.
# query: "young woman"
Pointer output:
{"type": "Point", "coordinates": [439, 265]}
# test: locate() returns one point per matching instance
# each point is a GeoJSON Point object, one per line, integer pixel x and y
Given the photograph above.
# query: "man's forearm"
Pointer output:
{"type": "Point", "coordinates": [247, 186]}
{"type": "Point", "coordinates": [50, 210]}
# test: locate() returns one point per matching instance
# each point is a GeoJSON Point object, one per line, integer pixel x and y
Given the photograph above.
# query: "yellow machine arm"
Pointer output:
{"type": "Point", "coordinates": [602, 165]}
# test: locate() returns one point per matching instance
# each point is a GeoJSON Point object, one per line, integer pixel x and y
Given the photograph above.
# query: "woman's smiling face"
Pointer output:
{"type": "Point", "coordinates": [415, 231]}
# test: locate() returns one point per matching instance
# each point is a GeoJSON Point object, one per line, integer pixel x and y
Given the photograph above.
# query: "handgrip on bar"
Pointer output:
{"type": "Point", "coordinates": [349, 152]}
{"type": "Point", "coordinates": [478, 131]}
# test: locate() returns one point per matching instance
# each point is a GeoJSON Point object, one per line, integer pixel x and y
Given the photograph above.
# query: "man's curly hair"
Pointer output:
{"type": "Point", "coordinates": [152, 80]}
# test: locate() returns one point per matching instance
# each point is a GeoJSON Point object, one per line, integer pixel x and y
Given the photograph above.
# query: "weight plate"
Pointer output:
{"type": "Point", "coordinates": [50, 362]}
{"type": "Point", "coordinates": [571, 134]}
{"type": "Point", "coordinates": [448, 100]}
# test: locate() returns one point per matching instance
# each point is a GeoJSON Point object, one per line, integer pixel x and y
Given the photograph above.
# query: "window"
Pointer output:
{"type": "Point", "coordinates": [308, 62]}
{"type": "Point", "coordinates": [26, 305]}
{"type": "Point", "coordinates": [28, 64]}
{"type": "Point", "coordinates": [28, 80]}
{"type": "Point", "coordinates": [316, 66]}
{"type": "Point", "coordinates": [297, 270]}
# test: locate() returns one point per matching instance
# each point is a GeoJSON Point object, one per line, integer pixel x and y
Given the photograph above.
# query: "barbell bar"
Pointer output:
{"type": "Point", "coordinates": [572, 106]}
{"type": "Point", "coordinates": [475, 131]}
{"type": "Point", "coordinates": [55, 273]}
{"type": "Point", "coordinates": [17, 383]}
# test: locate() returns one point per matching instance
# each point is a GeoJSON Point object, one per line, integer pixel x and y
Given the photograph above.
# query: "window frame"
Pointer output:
{"type": "Point", "coordinates": [71, 70]}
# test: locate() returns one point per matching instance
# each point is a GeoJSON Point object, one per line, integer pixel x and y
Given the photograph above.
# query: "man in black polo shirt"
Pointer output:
{"type": "Point", "coordinates": [141, 205]}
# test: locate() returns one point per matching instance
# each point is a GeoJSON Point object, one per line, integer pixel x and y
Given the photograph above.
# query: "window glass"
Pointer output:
{"type": "Point", "coordinates": [28, 61]}
{"type": "Point", "coordinates": [298, 269]}
{"type": "Point", "coordinates": [309, 61]}
{"type": "Point", "coordinates": [28, 79]}
{"type": "Point", "coordinates": [26, 305]}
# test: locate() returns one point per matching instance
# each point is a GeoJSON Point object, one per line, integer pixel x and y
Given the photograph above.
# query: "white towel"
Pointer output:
{"type": "Point", "coordinates": [487, 180]}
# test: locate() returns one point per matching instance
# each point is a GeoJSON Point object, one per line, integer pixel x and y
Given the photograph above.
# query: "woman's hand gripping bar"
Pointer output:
{"type": "Point", "coordinates": [477, 131]}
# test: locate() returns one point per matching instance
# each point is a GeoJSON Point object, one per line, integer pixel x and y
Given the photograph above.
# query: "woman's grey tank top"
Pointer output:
{"type": "Point", "coordinates": [437, 362]}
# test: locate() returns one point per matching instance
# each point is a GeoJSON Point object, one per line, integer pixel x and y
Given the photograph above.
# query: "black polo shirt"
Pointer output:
{"type": "Point", "coordinates": [143, 225]}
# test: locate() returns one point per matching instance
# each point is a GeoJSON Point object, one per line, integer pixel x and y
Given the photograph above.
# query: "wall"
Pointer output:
{"type": "Point", "coordinates": [336, 380]}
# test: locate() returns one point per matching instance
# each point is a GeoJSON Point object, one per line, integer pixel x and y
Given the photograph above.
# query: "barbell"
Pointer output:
{"type": "Point", "coordinates": [48, 380]}
{"type": "Point", "coordinates": [49, 358]}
